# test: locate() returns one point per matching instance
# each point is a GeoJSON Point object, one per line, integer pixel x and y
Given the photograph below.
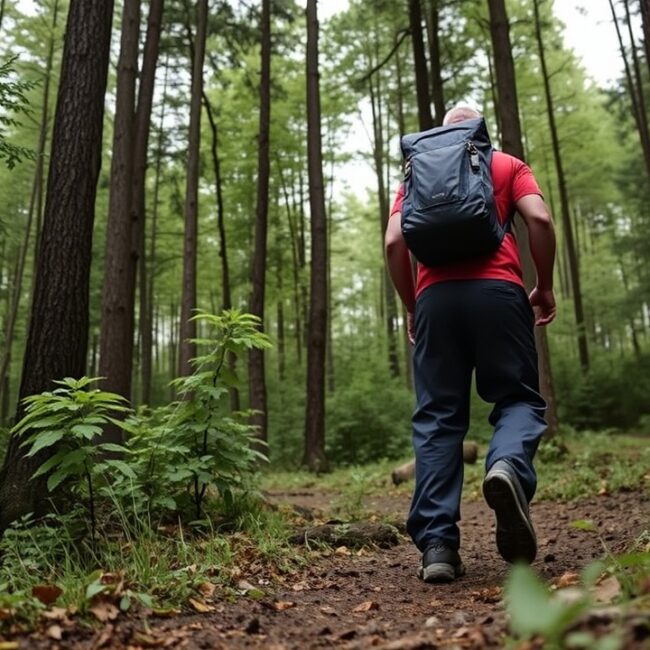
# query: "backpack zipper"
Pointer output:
{"type": "Point", "coordinates": [474, 159]}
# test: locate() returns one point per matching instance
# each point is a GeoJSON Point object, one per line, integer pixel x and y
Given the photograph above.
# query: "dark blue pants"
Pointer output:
{"type": "Point", "coordinates": [461, 326]}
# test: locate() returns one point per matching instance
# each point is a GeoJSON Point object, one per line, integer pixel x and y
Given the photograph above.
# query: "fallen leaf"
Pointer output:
{"type": "Point", "coordinates": [281, 605]}
{"type": "Point", "coordinates": [55, 614]}
{"type": "Point", "coordinates": [105, 612]}
{"type": "Point", "coordinates": [47, 594]}
{"type": "Point", "coordinates": [342, 550]}
{"type": "Point", "coordinates": [244, 585]}
{"type": "Point", "coordinates": [607, 590]}
{"type": "Point", "coordinates": [201, 608]}
{"type": "Point", "coordinates": [55, 632]}
{"type": "Point", "coordinates": [207, 589]}
{"type": "Point", "coordinates": [488, 595]}
{"type": "Point", "coordinates": [9, 645]}
{"type": "Point", "coordinates": [300, 586]}
{"type": "Point", "coordinates": [330, 611]}
{"type": "Point", "coordinates": [567, 579]}
{"type": "Point", "coordinates": [366, 607]}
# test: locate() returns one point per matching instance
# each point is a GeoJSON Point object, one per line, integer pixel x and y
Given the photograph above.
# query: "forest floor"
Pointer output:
{"type": "Point", "coordinates": [372, 598]}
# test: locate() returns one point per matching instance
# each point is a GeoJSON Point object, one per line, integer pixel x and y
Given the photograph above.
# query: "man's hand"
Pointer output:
{"type": "Point", "coordinates": [410, 327]}
{"type": "Point", "coordinates": [543, 303]}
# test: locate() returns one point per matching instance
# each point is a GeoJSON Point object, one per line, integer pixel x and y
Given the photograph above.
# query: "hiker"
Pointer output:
{"type": "Point", "coordinates": [466, 312]}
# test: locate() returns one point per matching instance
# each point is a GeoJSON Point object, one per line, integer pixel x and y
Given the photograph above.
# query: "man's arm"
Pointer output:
{"type": "Point", "coordinates": [400, 269]}
{"type": "Point", "coordinates": [399, 262]}
{"type": "Point", "coordinates": [541, 235]}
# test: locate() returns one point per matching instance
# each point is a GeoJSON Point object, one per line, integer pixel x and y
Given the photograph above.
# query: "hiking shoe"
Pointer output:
{"type": "Point", "coordinates": [515, 533]}
{"type": "Point", "coordinates": [441, 564]}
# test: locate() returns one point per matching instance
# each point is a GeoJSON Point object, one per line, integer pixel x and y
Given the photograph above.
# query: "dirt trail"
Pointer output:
{"type": "Point", "coordinates": [374, 599]}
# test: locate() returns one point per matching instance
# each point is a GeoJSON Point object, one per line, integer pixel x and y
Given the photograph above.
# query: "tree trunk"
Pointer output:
{"type": "Point", "coordinates": [645, 22]}
{"type": "Point", "coordinates": [420, 64]}
{"type": "Point", "coordinates": [138, 206]}
{"type": "Point", "coordinates": [437, 87]}
{"type": "Point", "coordinates": [314, 456]}
{"type": "Point", "coordinates": [34, 206]}
{"type": "Point", "coordinates": [294, 267]}
{"type": "Point", "coordinates": [512, 143]}
{"type": "Point", "coordinates": [583, 350]}
{"type": "Point", "coordinates": [147, 267]}
{"type": "Point", "coordinates": [118, 295]}
{"type": "Point", "coordinates": [640, 118]}
{"type": "Point", "coordinates": [640, 95]}
{"type": "Point", "coordinates": [58, 332]}
{"type": "Point", "coordinates": [389, 292]}
{"type": "Point", "coordinates": [187, 331]}
{"type": "Point", "coordinates": [223, 248]}
{"type": "Point", "coordinates": [256, 374]}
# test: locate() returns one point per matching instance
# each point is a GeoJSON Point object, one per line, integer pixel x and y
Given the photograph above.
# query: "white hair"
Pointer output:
{"type": "Point", "coordinates": [461, 106]}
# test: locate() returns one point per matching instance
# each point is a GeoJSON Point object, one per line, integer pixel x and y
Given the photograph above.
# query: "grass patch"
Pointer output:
{"type": "Point", "coordinates": [158, 568]}
{"type": "Point", "coordinates": [576, 465]}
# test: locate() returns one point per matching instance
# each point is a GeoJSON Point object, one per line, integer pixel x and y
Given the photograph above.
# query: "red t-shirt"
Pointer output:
{"type": "Point", "coordinates": [512, 180]}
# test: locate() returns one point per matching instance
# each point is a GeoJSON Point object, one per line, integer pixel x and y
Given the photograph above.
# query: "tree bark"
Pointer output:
{"type": "Point", "coordinates": [640, 95]}
{"type": "Point", "coordinates": [187, 330]}
{"type": "Point", "coordinates": [34, 207]}
{"type": "Point", "coordinates": [378, 155]}
{"type": "Point", "coordinates": [512, 143]}
{"type": "Point", "coordinates": [640, 118]}
{"type": "Point", "coordinates": [420, 64]}
{"type": "Point", "coordinates": [226, 302]}
{"type": "Point", "coordinates": [147, 267]}
{"type": "Point", "coordinates": [314, 457]}
{"type": "Point", "coordinates": [118, 295]}
{"type": "Point", "coordinates": [437, 87]}
{"type": "Point", "coordinates": [256, 370]}
{"type": "Point", "coordinates": [295, 275]}
{"type": "Point", "coordinates": [58, 332]}
{"type": "Point", "coordinates": [567, 226]}
{"type": "Point", "coordinates": [138, 205]}
{"type": "Point", "coordinates": [645, 23]}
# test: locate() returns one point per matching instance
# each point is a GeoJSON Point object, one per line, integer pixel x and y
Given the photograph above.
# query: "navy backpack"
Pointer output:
{"type": "Point", "coordinates": [448, 212]}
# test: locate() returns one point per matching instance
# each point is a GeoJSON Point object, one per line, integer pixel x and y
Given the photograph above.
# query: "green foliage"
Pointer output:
{"type": "Point", "coordinates": [13, 101]}
{"type": "Point", "coordinates": [533, 611]}
{"type": "Point", "coordinates": [613, 394]}
{"type": "Point", "coordinates": [189, 447]}
{"type": "Point", "coordinates": [72, 418]}
{"type": "Point", "coordinates": [368, 420]}
{"type": "Point", "coordinates": [605, 461]}
{"type": "Point", "coordinates": [214, 450]}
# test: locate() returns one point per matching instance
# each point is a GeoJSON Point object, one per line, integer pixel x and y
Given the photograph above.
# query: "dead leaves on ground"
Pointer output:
{"type": "Point", "coordinates": [368, 606]}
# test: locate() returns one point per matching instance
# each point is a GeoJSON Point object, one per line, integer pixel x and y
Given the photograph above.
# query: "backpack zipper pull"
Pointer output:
{"type": "Point", "coordinates": [474, 159]}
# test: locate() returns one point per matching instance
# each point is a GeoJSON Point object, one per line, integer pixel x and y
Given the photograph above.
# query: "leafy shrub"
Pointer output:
{"type": "Point", "coordinates": [173, 456]}
{"type": "Point", "coordinates": [73, 418]}
{"type": "Point", "coordinates": [609, 395]}
{"type": "Point", "coordinates": [368, 420]}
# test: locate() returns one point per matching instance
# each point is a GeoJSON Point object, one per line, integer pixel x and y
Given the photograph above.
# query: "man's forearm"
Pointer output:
{"type": "Point", "coordinates": [542, 247]}
{"type": "Point", "coordinates": [401, 272]}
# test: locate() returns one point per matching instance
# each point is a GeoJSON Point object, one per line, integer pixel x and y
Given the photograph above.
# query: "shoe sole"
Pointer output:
{"type": "Point", "coordinates": [441, 572]}
{"type": "Point", "coordinates": [515, 534]}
